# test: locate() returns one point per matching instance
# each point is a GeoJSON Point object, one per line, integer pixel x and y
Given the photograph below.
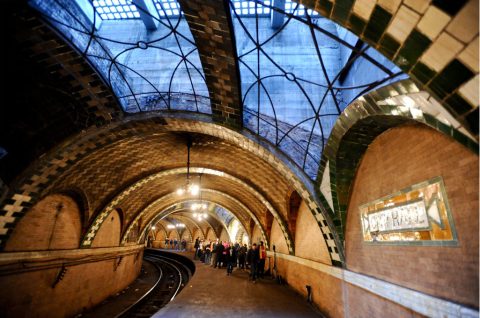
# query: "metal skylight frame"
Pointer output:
{"type": "Point", "coordinates": [306, 154]}
{"type": "Point", "coordinates": [68, 19]}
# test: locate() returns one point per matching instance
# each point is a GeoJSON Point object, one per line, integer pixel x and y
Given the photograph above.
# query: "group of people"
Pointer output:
{"type": "Point", "coordinates": [229, 255]}
{"type": "Point", "coordinates": [174, 244]}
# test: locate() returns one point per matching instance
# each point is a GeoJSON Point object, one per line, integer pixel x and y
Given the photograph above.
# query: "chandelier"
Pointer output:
{"type": "Point", "coordinates": [188, 187]}
{"type": "Point", "coordinates": [199, 210]}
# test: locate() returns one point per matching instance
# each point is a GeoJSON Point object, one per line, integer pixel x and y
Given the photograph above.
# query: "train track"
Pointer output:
{"type": "Point", "coordinates": [173, 277]}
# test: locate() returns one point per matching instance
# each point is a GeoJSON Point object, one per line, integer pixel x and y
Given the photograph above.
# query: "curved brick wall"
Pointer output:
{"type": "Point", "coordinates": [401, 157]}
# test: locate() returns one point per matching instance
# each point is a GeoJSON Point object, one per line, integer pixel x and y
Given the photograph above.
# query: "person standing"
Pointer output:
{"type": "Point", "coordinates": [219, 253]}
{"type": "Point", "coordinates": [255, 257]}
{"type": "Point", "coordinates": [242, 253]}
{"type": "Point", "coordinates": [196, 246]}
{"type": "Point", "coordinates": [229, 259]}
{"type": "Point", "coordinates": [262, 254]}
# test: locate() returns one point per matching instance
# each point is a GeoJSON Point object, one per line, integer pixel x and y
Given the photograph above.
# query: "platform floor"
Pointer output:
{"type": "Point", "coordinates": [211, 293]}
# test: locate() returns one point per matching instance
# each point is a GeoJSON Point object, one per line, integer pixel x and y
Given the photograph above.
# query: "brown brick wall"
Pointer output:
{"type": "Point", "coordinates": [277, 239]}
{"type": "Point", "coordinates": [360, 303]}
{"type": "Point", "coordinates": [401, 157]}
{"type": "Point", "coordinates": [82, 287]}
{"type": "Point", "coordinates": [256, 235]}
{"type": "Point", "coordinates": [53, 223]}
{"type": "Point", "coordinates": [309, 241]}
{"type": "Point", "coordinates": [109, 233]}
{"type": "Point", "coordinates": [224, 236]}
{"type": "Point", "coordinates": [326, 289]}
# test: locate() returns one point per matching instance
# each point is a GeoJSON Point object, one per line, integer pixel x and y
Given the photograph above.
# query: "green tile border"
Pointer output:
{"type": "Point", "coordinates": [356, 128]}
{"type": "Point", "coordinates": [452, 243]}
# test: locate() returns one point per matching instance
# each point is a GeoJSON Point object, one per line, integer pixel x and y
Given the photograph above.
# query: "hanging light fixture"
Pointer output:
{"type": "Point", "coordinates": [188, 187]}
{"type": "Point", "coordinates": [199, 208]}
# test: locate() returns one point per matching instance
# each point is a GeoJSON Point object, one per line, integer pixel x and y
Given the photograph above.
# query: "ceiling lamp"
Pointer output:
{"type": "Point", "coordinates": [188, 187]}
{"type": "Point", "coordinates": [199, 211]}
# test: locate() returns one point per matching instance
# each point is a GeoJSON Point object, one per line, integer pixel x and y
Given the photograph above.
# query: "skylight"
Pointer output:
{"type": "Point", "coordinates": [298, 72]}
{"type": "Point", "coordinates": [144, 52]}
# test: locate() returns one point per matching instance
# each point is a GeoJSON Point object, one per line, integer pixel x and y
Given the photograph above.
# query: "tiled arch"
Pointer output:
{"type": "Point", "coordinates": [39, 179]}
{"type": "Point", "coordinates": [356, 128]}
{"type": "Point", "coordinates": [96, 224]}
{"type": "Point", "coordinates": [434, 42]}
{"type": "Point", "coordinates": [151, 211]}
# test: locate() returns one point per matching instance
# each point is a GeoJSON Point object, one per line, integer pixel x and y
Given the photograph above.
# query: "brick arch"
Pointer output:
{"type": "Point", "coordinates": [162, 229]}
{"type": "Point", "coordinates": [104, 213]}
{"type": "Point", "coordinates": [53, 165]}
{"type": "Point", "coordinates": [294, 201]}
{"type": "Point", "coordinates": [167, 210]}
{"type": "Point", "coordinates": [169, 201]}
{"type": "Point", "coordinates": [54, 223]}
{"type": "Point", "coordinates": [356, 128]}
{"type": "Point", "coordinates": [81, 199]}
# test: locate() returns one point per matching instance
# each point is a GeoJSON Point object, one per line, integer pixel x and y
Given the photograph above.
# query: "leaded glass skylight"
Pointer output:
{"type": "Point", "coordinates": [143, 50]}
{"type": "Point", "coordinates": [298, 72]}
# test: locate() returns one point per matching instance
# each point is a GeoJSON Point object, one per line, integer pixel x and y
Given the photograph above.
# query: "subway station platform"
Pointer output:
{"type": "Point", "coordinates": [211, 293]}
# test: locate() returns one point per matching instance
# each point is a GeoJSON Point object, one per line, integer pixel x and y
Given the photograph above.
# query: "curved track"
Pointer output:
{"type": "Point", "coordinates": [174, 274]}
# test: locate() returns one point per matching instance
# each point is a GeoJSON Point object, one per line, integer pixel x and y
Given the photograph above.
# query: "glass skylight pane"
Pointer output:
{"type": "Point", "coordinates": [145, 72]}
{"type": "Point", "coordinates": [286, 93]}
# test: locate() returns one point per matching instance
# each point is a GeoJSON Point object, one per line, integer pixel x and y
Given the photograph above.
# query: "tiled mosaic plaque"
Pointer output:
{"type": "Point", "coordinates": [415, 215]}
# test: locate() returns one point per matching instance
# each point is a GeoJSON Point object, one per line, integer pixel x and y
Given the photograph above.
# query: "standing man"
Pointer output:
{"type": "Point", "coordinates": [255, 257]}
{"type": "Point", "coordinates": [196, 246]}
{"type": "Point", "coordinates": [261, 262]}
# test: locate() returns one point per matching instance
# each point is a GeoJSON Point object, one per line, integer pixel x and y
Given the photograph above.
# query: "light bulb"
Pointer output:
{"type": "Point", "coordinates": [204, 206]}
{"type": "Point", "coordinates": [153, 227]}
{"type": "Point", "coordinates": [194, 189]}
{"type": "Point", "coordinates": [180, 191]}
{"type": "Point", "coordinates": [195, 215]}
{"type": "Point", "coordinates": [205, 214]}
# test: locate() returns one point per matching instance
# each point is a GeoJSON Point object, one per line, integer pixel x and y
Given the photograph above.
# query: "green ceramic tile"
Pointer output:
{"type": "Point", "coordinates": [356, 24]}
{"type": "Point", "coordinates": [444, 128]}
{"type": "Point", "coordinates": [412, 49]}
{"type": "Point", "coordinates": [473, 146]}
{"type": "Point", "coordinates": [378, 24]}
{"type": "Point", "coordinates": [389, 46]}
{"type": "Point", "coordinates": [472, 120]}
{"type": "Point", "coordinates": [450, 7]}
{"type": "Point", "coordinates": [423, 73]}
{"type": "Point", "coordinates": [430, 120]}
{"type": "Point", "coordinates": [461, 138]}
{"type": "Point", "coordinates": [459, 104]}
{"type": "Point", "coordinates": [452, 76]}
{"type": "Point", "coordinates": [341, 10]}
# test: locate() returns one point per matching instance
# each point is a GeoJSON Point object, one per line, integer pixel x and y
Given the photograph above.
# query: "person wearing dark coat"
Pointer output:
{"type": "Point", "coordinates": [249, 257]}
{"type": "Point", "coordinates": [230, 259]}
{"type": "Point", "coordinates": [219, 252]}
{"type": "Point", "coordinates": [242, 254]}
{"type": "Point", "coordinates": [255, 258]}
{"type": "Point", "coordinates": [196, 246]}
